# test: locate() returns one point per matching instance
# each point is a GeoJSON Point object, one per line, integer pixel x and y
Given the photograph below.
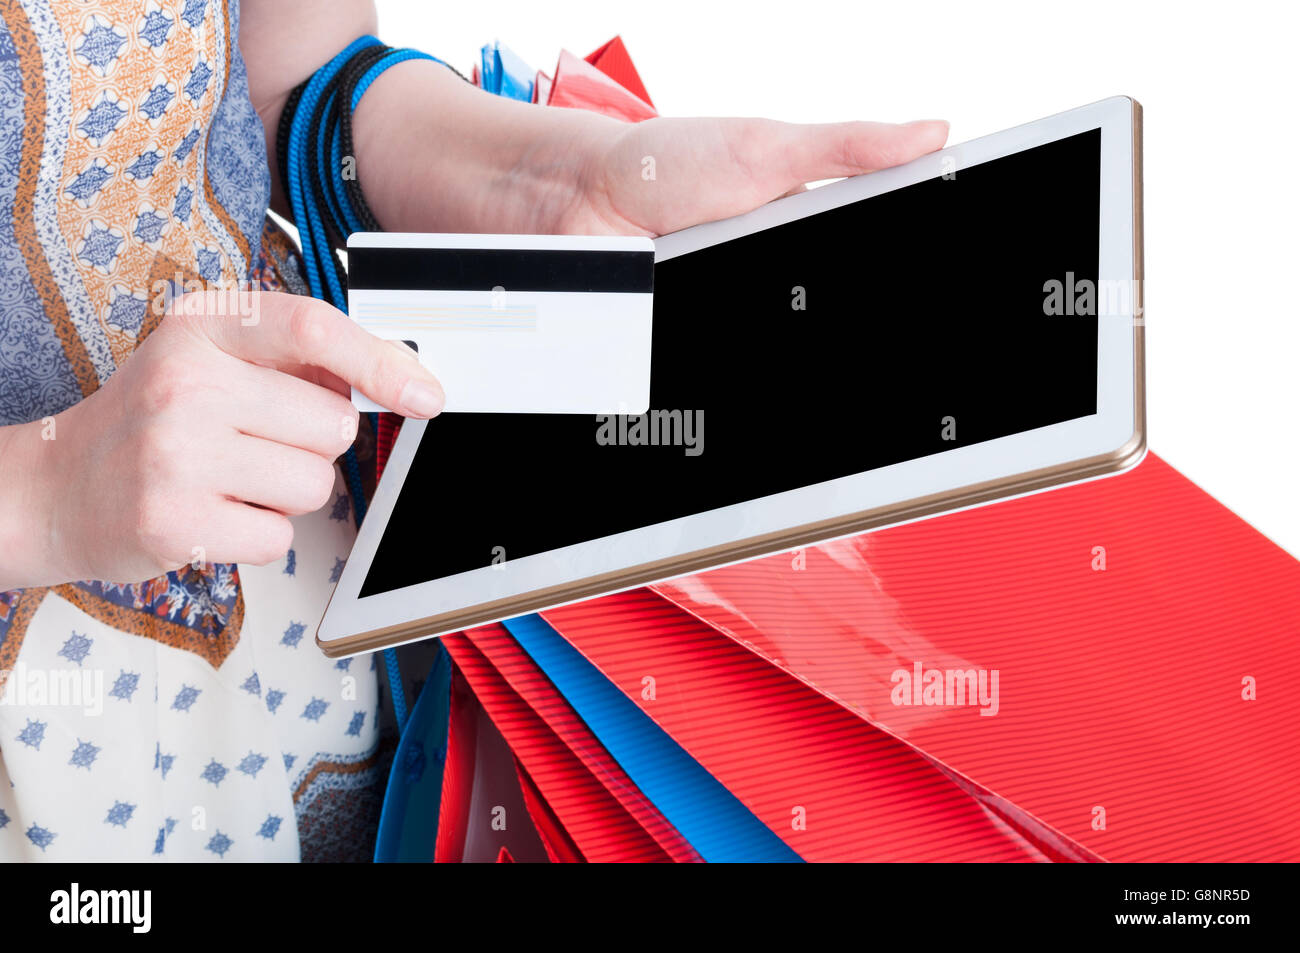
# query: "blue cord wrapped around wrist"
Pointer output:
{"type": "Point", "coordinates": [314, 157]}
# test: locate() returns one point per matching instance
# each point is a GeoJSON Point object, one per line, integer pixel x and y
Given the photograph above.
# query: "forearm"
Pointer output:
{"type": "Point", "coordinates": [437, 154]}
{"type": "Point", "coordinates": [432, 151]}
{"type": "Point", "coordinates": [283, 42]}
{"type": "Point", "coordinates": [29, 552]}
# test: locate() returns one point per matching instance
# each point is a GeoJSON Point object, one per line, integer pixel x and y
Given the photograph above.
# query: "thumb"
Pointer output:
{"type": "Point", "coordinates": [284, 330]}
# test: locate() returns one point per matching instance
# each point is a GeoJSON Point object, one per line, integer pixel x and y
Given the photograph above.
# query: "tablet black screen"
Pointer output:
{"type": "Point", "coordinates": [919, 305]}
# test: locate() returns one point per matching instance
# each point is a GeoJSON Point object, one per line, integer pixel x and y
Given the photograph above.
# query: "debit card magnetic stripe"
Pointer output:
{"type": "Point", "coordinates": [483, 269]}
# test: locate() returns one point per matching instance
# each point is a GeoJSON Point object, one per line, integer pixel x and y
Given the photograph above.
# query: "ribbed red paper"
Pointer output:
{"type": "Point", "coordinates": [1126, 618]}
{"type": "Point", "coordinates": [560, 848]}
{"type": "Point", "coordinates": [832, 786]}
{"type": "Point", "coordinates": [458, 774]}
{"type": "Point", "coordinates": [389, 425]}
{"type": "Point", "coordinates": [531, 685]}
{"type": "Point", "coordinates": [599, 826]}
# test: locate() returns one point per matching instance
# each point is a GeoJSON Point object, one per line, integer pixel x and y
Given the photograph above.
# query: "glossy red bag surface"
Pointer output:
{"type": "Point", "coordinates": [1144, 638]}
{"type": "Point", "coordinates": [579, 85]}
{"type": "Point", "coordinates": [831, 785]}
{"type": "Point", "coordinates": [614, 61]}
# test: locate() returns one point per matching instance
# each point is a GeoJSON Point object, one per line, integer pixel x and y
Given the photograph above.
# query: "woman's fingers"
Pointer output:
{"type": "Point", "coordinates": [234, 532]}
{"type": "Point", "coordinates": [709, 169]}
{"type": "Point", "coordinates": [292, 330]}
{"type": "Point", "coordinates": [293, 411]}
{"type": "Point", "coordinates": [276, 476]}
{"type": "Point", "coordinates": [833, 150]}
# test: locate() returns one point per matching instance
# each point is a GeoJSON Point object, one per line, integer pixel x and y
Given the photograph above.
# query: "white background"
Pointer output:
{"type": "Point", "coordinates": [1219, 86]}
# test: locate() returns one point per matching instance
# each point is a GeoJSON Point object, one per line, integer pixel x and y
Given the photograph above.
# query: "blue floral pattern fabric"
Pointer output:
{"type": "Point", "coordinates": [189, 716]}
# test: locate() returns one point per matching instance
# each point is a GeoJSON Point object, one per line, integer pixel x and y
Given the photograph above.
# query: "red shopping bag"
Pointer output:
{"type": "Point", "coordinates": [1140, 632]}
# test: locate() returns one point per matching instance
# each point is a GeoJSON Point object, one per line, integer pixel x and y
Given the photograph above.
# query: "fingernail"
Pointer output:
{"type": "Point", "coordinates": [421, 400]}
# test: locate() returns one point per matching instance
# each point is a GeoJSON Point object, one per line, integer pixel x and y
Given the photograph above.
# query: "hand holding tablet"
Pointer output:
{"type": "Point", "coordinates": [881, 349]}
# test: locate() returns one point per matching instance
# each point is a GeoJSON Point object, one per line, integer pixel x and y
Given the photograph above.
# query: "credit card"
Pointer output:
{"type": "Point", "coordinates": [513, 324]}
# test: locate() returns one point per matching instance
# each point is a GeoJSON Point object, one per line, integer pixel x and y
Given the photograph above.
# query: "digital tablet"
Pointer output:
{"type": "Point", "coordinates": [940, 335]}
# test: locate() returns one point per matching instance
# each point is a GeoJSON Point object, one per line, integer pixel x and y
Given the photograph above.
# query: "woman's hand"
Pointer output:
{"type": "Point", "coordinates": [218, 428]}
{"type": "Point", "coordinates": [436, 154]}
{"type": "Point", "coordinates": [660, 175]}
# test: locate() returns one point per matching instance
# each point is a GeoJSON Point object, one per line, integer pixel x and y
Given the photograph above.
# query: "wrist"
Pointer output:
{"type": "Point", "coordinates": [32, 550]}
{"type": "Point", "coordinates": [437, 154]}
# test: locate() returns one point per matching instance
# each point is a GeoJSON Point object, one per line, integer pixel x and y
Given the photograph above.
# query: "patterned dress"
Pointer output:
{"type": "Point", "coordinates": [191, 716]}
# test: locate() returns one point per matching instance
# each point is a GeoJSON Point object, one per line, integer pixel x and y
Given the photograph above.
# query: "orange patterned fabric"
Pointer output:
{"type": "Point", "coordinates": [131, 162]}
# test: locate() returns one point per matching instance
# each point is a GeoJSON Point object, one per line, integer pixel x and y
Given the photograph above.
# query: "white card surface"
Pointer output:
{"type": "Point", "coordinates": [511, 324]}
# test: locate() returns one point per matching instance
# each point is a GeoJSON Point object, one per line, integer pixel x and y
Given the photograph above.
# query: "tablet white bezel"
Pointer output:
{"type": "Point", "coordinates": [1113, 434]}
